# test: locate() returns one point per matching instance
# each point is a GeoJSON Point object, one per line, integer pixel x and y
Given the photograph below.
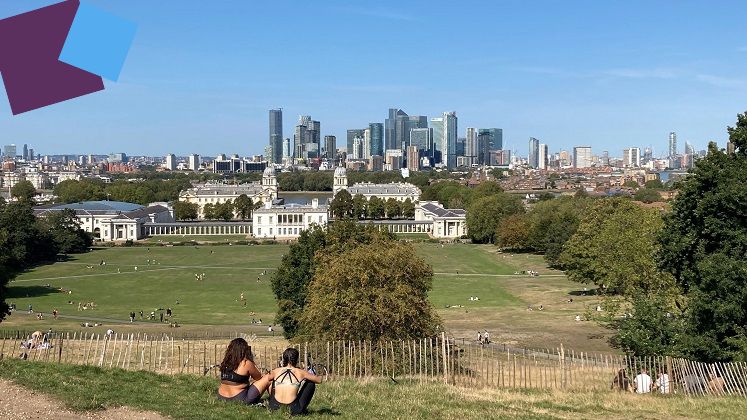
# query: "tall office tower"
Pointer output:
{"type": "Point", "coordinates": [394, 126]}
{"type": "Point", "coordinates": [450, 139]}
{"type": "Point", "coordinates": [460, 146]}
{"type": "Point", "coordinates": [91, 159]}
{"type": "Point", "coordinates": [170, 162]}
{"type": "Point", "coordinates": [582, 157]}
{"type": "Point", "coordinates": [194, 162]}
{"type": "Point", "coordinates": [377, 138]}
{"type": "Point", "coordinates": [31, 154]}
{"type": "Point", "coordinates": [488, 140]}
{"type": "Point", "coordinates": [533, 158]}
{"type": "Point", "coordinates": [352, 134]}
{"type": "Point", "coordinates": [299, 138]}
{"type": "Point", "coordinates": [470, 146]}
{"type": "Point", "coordinates": [413, 121]}
{"type": "Point", "coordinates": [632, 157]}
{"type": "Point", "coordinates": [437, 135]}
{"type": "Point", "coordinates": [648, 154]}
{"type": "Point", "coordinates": [287, 149]}
{"type": "Point", "coordinates": [81, 160]}
{"type": "Point", "coordinates": [689, 148]}
{"type": "Point", "coordinates": [358, 148]}
{"type": "Point", "coordinates": [543, 156]}
{"type": "Point", "coordinates": [276, 135]}
{"type": "Point", "coordinates": [672, 145]}
{"type": "Point", "coordinates": [393, 159]}
{"type": "Point", "coordinates": [366, 144]}
{"type": "Point", "coordinates": [25, 152]}
{"type": "Point", "coordinates": [413, 157]}
{"type": "Point", "coordinates": [330, 147]}
{"type": "Point", "coordinates": [10, 151]}
{"type": "Point", "coordinates": [422, 138]}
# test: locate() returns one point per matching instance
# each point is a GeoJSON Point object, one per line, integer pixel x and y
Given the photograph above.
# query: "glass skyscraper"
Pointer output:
{"type": "Point", "coordinates": [377, 138]}
{"type": "Point", "coordinates": [276, 135]}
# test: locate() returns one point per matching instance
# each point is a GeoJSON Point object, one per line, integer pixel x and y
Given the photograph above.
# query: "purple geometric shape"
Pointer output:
{"type": "Point", "coordinates": [30, 44]}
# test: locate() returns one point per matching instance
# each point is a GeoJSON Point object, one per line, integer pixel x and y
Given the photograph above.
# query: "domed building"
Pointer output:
{"type": "Point", "coordinates": [399, 191]}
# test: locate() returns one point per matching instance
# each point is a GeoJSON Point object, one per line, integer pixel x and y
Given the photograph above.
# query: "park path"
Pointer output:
{"type": "Point", "coordinates": [17, 402]}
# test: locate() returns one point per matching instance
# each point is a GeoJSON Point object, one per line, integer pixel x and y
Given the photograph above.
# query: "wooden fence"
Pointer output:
{"type": "Point", "coordinates": [440, 358]}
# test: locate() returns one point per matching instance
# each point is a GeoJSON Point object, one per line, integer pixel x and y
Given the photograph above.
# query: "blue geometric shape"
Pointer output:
{"type": "Point", "coordinates": [98, 42]}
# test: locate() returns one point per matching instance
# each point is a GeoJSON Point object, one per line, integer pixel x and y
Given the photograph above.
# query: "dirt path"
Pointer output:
{"type": "Point", "coordinates": [17, 402]}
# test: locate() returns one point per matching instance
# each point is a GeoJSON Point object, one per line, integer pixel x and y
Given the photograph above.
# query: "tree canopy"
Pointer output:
{"type": "Point", "coordinates": [23, 191]}
{"type": "Point", "coordinates": [485, 214]}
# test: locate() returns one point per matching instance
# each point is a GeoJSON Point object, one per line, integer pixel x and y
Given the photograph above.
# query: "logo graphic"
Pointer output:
{"type": "Point", "coordinates": [60, 52]}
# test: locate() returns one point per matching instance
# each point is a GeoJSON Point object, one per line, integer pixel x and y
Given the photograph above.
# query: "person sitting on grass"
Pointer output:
{"type": "Point", "coordinates": [235, 370]}
{"type": "Point", "coordinates": [621, 382]}
{"type": "Point", "coordinates": [291, 387]}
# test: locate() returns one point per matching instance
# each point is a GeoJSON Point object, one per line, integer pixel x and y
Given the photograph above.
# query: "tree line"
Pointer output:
{"type": "Point", "coordinates": [343, 205]}
{"type": "Point", "coordinates": [241, 207]}
{"type": "Point", "coordinates": [26, 241]}
{"type": "Point", "coordinates": [140, 192]}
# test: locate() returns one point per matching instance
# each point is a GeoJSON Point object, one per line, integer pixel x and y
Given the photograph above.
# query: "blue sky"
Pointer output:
{"type": "Point", "coordinates": [201, 75]}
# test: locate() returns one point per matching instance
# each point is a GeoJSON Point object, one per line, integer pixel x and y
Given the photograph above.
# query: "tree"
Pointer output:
{"type": "Point", "coordinates": [513, 232]}
{"type": "Point", "coordinates": [552, 223]}
{"type": "Point", "coordinates": [484, 215]}
{"type": "Point", "coordinates": [375, 291]}
{"type": "Point", "coordinates": [359, 206]}
{"type": "Point", "coordinates": [408, 209]}
{"type": "Point", "coordinates": [631, 184]}
{"type": "Point", "coordinates": [703, 245]}
{"type": "Point", "coordinates": [653, 329]}
{"type": "Point", "coordinates": [375, 208]}
{"type": "Point", "coordinates": [244, 206]}
{"type": "Point", "coordinates": [614, 248]}
{"type": "Point", "coordinates": [393, 208]}
{"type": "Point", "coordinates": [647, 195]}
{"type": "Point", "coordinates": [184, 210]}
{"type": "Point", "coordinates": [654, 184]}
{"type": "Point", "coordinates": [209, 211]}
{"type": "Point", "coordinates": [224, 210]}
{"type": "Point", "coordinates": [65, 230]}
{"type": "Point", "coordinates": [341, 205]}
{"type": "Point", "coordinates": [23, 191]}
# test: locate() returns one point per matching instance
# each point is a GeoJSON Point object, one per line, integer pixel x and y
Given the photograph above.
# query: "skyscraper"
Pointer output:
{"type": "Point", "coordinates": [672, 145]}
{"type": "Point", "coordinates": [450, 139]}
{"type": "Point", "coordinates": [533, 158]}
{"type": "Point", "coordinates": [351, 135]}
{"type": "Point", "coordinates": [287, 153]}
{"type": "Point", "coordinates": [330, 147]}
{"type": "Point", "coordinates": [377, 138]}
{"type": "Point", "coordinates": [413, 157]}
{"type": "Point", "coordinates": [582, 157]}
{"type": "Point", "coordinates": [488, 141]}
{"type": "Point", "coordinates": [689, 148]}
{"type": "Point", "coordinates": [632, 157]}
{"type": "Point", "coordinates": [460, 146]}
{"type": "Point", "coordinates": [10, 151]}
{"type": "Point", "coordinates": [170, 162]}
{"type": "Point", "coordinates": [25, 152]}
{"type": "Point", "coordinates": [194, 162]}
{"type": "Point", "coordinates": [437, 135]}
{"type": "Point", "coordinates": [390, 128]}
{"type": "Point", "coordinates": [470, 146]}
{"type": "Point", "coordinates": [276, 135]}
{"type": "Point", "coordinates": [543, 156]}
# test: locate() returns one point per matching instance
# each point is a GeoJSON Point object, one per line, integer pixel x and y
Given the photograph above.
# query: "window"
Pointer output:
{"type": "Point", "coordinates": [259, 219]}
{"type": "Point", "coordinates": [259, 231]}
{"type": "Point", "coordinates": [320, 219]}
{"type": "Point", "coordinates": [270, 231]}
{"type": "Point", "coordinates": [309, 219]}
{"type": "Point", "coordinates": [270, 219]}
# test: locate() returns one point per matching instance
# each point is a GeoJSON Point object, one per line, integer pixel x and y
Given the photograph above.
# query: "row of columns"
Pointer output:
{"type": "Point", "coordinates": [191, 229]}
{"type": "Point", "coordinates": [408, 227]}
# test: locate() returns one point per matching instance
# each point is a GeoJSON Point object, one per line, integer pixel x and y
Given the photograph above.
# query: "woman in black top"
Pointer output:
{"type": "Point", "coordinates": [235, 370]}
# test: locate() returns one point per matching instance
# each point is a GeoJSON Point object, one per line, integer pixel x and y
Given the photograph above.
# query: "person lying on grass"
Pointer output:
{"type": "Point", "coordinates": [235, 370]}
{"type": "Point", "coordinates": [291, 387]}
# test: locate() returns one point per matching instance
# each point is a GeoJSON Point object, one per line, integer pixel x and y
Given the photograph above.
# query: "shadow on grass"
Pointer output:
{"type": "Point", "coordinates": [16, 292]}
{"type": "Point", "coordinates": [327, 411]}
{"type": "Point", "coordinates": [590, 292]}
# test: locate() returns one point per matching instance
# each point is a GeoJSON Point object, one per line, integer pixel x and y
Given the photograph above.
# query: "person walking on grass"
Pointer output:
{"type": "Point", "coordinates": [132, 316]}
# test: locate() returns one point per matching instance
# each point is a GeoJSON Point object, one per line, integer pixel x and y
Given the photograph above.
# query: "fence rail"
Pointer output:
{"type": "Point", "coordinates": [440, 358]}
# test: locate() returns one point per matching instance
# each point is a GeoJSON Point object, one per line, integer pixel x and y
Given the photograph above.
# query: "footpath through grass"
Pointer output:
{"type": "Point", "coordinates": [188, 397]}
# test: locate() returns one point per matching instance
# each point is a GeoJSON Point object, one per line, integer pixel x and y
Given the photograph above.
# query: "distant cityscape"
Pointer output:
{"type": "Point", "coordinates": [402, 142]}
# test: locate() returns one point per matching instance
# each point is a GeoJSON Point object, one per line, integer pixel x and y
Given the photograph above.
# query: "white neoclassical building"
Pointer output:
{"type": "Point", "coordinates": [399, 191]}
{"type": "Point", "coordinates": [447, 223]}
{"type": "Point", "coordinates": [287, 221]}
{"type": "Point", "coordinates": [217, 193]}
{"type": "Point", "coordinates": [113, 221]}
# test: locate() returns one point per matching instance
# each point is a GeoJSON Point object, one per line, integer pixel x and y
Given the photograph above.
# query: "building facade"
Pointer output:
{"type": "Point", "coordinates": [215, 193]}
{"type": "Point", "coordinates": [400, 191]}
{"type": "Point", "coordinates": [287, 221]}
{"type": "Point", "coordinates": [582, 157]}
{"type": "Point", "coordinates": [447, 223]}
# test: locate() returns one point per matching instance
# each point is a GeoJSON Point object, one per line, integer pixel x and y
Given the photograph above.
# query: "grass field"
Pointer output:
{"type": "Point", "coordinates": [89, 389]}
{"type": "Point", "coordinates": [461, 271]}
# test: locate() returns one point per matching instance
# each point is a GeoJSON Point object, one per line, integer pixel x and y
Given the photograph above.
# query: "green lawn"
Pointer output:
{"type": "Point", "coordinates": [84, 388]}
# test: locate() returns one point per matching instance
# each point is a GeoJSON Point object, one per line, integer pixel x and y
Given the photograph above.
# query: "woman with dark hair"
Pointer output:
{"type": "Point", "coordinates": [235, 370]}
{"type": "Point", "coordinates": [621, 382]}
{"type": "Point", "coordinates": [292, 387]}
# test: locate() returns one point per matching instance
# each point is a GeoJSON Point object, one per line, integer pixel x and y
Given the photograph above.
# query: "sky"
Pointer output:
{"type": "Point", "coordinates": [201, 76]}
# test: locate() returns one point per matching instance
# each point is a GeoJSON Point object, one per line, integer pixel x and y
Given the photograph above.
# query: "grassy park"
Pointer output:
{"type": "Point", "coordinates": [166, 275]}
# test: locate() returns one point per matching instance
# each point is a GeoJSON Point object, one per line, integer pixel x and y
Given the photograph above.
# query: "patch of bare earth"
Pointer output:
{"type": "Point", "coordinates": [17, 402]}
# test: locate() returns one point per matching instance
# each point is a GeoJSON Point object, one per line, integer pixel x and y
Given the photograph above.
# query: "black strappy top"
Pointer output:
{"type": "Point", "coordinates": [231, 376]}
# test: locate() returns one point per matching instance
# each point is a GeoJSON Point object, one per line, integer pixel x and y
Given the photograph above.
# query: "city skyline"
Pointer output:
{"type": "Point", "coordinates": [601, 84]}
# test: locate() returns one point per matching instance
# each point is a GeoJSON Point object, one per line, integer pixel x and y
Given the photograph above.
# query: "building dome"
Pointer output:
{"type": "Point", "coordinates": [340, 171]}
{"type": "Point", "coordinates": [269, 171]}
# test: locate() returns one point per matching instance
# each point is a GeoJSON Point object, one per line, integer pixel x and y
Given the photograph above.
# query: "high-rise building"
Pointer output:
{"type": "Point", "coordinates": [287, 153]}
{"type": "Point", "coordinates": [376, 164]}
{"type": "Point", "coordinates": [330, 147]}
{"type": "Point", "coordinates": [276, 135]}
{"type": "Point", "coordinates": [488, 140]}
{"type": "Point", "coordinates": [117, 158]}
{"type": "Point", "coordinates": [632, 157]}
{"type": "Point", "coordinates": [582, 157]}
{"type": "Point", "coordinates": [445, 139]}
{"type": "Point", "coordinates": [437, 135]}
{"type": "Point", "coordinates": [10, 151]}
{"type": "Point", "coordinates": [367, 144]}
{"type": "Point", "coordinates": [358, 143]}
{"type": "Point", "coordinates": [460, 146]}
{"type": "Point", "coordinates": [25, 152]}
{"type": "Point", "coordinates": [377, 138]}
{"type": "Point", "coordinates": [413, 158]}
{"type": "Point", "coordinates": [394, 127]}
{"type": "Point", "coordinates": [351, 135]}
{"type": "Point", "coordinates": [689, 148]}
{"type": "Point", "coordinates": [31, 154]}
{"type": "Point", "coordinates": [672, 145]}
{"type": "Point", "coordinates": [306, 138]}
{"type": "Point", "coordinates": [533, 158]}
{"type": "Point", "coordinates": [411, 122]}
{"type": "Point", "coordinates": [393, 159]}
{"type": "Point", "coordinates": [470, 145]}
{"type": "Point", "coordinates": [170, 162]}
{"type": "Point", "coordinates": [543, 156]}
{"type": "Point", "coordinates": [194, 162]}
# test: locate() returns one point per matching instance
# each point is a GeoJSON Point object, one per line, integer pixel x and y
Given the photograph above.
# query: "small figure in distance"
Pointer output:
{"type": "Point", "coordinates": [621, 382]}
{"type": "Point", "coordinates": [290, 386]}
{"type": "Point", "coordinates": [642, 383]}
{"type": "Point", "coordinates": [236, 370]}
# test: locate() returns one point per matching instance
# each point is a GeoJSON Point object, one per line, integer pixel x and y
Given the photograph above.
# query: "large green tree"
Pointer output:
{"type": "Point", "coordinates": [341, 205]}
{"type": "Point", "coordinates": [375, 208]}
{"type": "Point", "coordinates": [374, 291]}
{"type": "Point", "coordinates": [485, 214]}
{"type": "Point", "coordinates": [393, 208]}
{"type": "Point", "coordinates": [552, 223]}
{"type": "Point", "coordinates": [65, 230]}
{"type": "Point", "coordinates": [704, 246]}
{"type": "Point", "coordinates": [23, 191]}
{"type": "Point", "coordinates": [224, 210]}
{"type": "Point", "coordinates": [184, 210]}
{"type": "Point", "coordinates": [614, 248]}
{"type": "Point", "coordinates": [244, 206]}
{"type": "Point", "coordinates": [359, 206]}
